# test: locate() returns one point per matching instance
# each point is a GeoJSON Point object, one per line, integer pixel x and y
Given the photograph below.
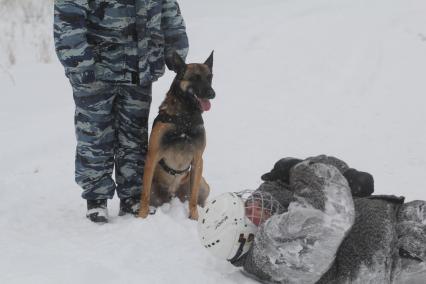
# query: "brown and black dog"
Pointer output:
{"type": "Point", "coordinates": [174, 163]}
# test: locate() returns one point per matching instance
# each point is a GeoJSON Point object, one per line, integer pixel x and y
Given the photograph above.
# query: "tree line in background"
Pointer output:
{"type": "Point", "coordinates": [26, 31]}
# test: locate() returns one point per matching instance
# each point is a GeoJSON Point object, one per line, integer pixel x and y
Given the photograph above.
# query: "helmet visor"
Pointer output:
{"type": "Point", "coordinates": [259, 206]}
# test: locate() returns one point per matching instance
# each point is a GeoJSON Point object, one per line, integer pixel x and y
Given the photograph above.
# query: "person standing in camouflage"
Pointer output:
{"type": "Point", "coordinates": [112, 51]}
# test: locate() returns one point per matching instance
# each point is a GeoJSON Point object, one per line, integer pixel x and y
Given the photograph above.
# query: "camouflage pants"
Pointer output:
{"type": "Point", "coordinates": [111, 123]}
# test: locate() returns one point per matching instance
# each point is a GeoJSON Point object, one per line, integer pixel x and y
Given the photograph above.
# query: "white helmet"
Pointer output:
{"type": "Point", "coordinates": [223, 226]}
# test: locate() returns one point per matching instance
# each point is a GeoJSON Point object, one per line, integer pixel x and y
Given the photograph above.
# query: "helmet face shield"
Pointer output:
{"type": "Point", "coordinates": [259, 206]}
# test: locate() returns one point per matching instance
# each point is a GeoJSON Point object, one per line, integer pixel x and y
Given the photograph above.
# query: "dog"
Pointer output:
{"type": "Point", "coordinates": [174, 162]}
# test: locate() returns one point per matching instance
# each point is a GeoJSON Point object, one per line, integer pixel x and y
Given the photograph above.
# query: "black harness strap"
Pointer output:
{"type": "Point", "coordinates": [170, 170]}
{"type": "Point", "coordinates": [237, 255]}
{"type": "Point", "coordinates": [184, 121]}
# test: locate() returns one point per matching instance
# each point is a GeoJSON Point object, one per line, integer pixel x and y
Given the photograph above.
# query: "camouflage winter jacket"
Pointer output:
{"type": "Point", "coordinates": [121, 41]}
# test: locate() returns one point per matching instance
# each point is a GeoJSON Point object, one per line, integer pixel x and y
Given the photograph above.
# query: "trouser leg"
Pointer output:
{"type": "Point", "coordinates": [133, 103]}
{"type": "Point", "coordinates": [94, 126]}
{"type": "Point", "coordinates": [411, 229]}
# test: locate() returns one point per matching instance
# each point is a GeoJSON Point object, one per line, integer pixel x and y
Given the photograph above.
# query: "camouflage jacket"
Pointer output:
{"type": "Point", "coordinates": [124, 41]}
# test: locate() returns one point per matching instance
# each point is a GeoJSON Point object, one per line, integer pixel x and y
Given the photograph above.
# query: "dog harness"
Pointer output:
{"type": "Point", "coordinates": [184, 123]}
{"type": "Point", "coordinates": [171, 171]}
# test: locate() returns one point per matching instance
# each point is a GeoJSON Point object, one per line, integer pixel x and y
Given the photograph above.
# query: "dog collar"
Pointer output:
{"type": "Point", "coordinates": [171, 171]}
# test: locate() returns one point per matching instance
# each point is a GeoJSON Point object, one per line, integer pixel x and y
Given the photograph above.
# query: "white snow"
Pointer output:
{"type": "Point", "coordinates": [292, 78]}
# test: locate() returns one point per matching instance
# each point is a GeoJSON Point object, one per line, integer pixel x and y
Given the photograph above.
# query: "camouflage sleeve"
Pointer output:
{"type": "Point", "coordinates": [173, 25]}
{"type": "Point", "coordinates": [75, 54]}
{"type": "Point", "coordinates": [411, 229]}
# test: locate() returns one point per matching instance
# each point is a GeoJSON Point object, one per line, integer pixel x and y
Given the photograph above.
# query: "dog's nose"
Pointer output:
{"type": "Point", "coordinates": [211, 94]}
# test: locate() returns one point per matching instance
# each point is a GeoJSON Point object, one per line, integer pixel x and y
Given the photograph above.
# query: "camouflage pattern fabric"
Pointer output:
{"type": "Point", "coordinates": [411, 229]}
{"type": "Point", "coordinates": [120, 41]}
{"type": "Point", "coordinates": [111, 128]}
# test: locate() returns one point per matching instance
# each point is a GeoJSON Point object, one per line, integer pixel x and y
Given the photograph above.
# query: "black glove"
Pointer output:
{"type": "Point", "coordinates": [361, 183]}
{"type": "Point", "coordinates": [281, 170]}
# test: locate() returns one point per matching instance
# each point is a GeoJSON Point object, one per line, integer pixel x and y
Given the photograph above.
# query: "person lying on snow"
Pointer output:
{"type": "Point", "coordinates": [315, 221]}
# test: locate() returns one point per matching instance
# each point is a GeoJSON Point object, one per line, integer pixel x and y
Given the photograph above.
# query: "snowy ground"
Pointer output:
{"type": "Point", "coordinates": [293, 78]}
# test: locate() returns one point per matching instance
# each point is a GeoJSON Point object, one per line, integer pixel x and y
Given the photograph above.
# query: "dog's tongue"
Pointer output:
{"type": "Point", "coordinates": [205, 104]}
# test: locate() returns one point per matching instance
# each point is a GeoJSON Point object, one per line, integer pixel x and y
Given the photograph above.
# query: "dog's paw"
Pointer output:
{"type": "Point", "coordinates": [143, 212]}
{"type": "Point", "coordinates": [193, 215]}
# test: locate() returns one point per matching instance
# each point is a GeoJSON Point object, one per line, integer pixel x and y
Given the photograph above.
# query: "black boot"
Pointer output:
{"type": "Point", "coordinates": [129, 205]}
{"type": "Point", "coordinates": [97, 211]}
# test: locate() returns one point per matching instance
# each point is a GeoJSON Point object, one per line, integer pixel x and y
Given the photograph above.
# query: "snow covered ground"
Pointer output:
{"type": "Point", "coordinates": [293, 78]}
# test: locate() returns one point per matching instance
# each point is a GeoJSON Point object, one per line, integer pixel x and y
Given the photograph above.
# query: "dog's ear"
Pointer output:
{"type": "Point", "coordinates": [209, 61]}
{"type": "Point", "coordinates": [175, 63]}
